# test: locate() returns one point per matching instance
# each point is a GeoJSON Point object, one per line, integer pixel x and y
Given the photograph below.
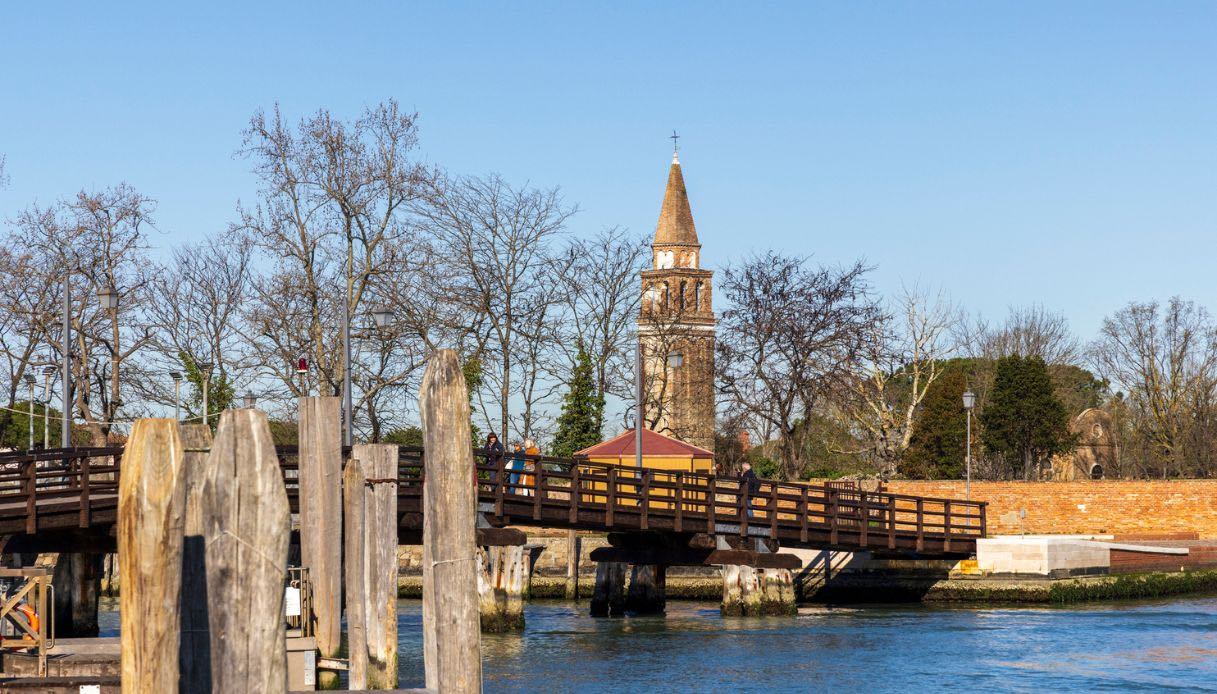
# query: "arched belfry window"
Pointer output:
{"type": "Point", "coordinates": [697, 296]}
{"type": "Point", "coordinates": [683, 288]}
{"type": "Point", "coordinates": [666, 298]}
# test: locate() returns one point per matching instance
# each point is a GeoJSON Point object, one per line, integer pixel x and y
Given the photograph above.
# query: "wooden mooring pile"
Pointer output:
{"type": "Point", "coordinates": [203, 532]}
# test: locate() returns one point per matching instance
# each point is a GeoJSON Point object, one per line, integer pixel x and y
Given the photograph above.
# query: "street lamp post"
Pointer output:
{"type": "Point", "coordinates": [205, 368]}
{"type": "Point", "coordinates": [250, 400]}
{"type": "Point", "coordinates": [108, 298]}
{"type": "Point", "coordinates": [65, 433]}
{"type": "Point", "coordinates": [177, 394]}
{"type": "Point", "coordinates": [969, 401]}
{"type": "Point", "coordinates": [638, 404]}
{"type": "Point", "coordinates": [47, 371]}
{"type": "Point", "coordinates": [31, 381]}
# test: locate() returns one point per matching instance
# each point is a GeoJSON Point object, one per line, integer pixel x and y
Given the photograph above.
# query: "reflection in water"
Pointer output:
{"type": "Point", "coordinates": [905, 648]}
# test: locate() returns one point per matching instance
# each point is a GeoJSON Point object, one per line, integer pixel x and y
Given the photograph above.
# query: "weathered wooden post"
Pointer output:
{"type": "Point", "coordinates": [195, 651]}
{"type": "Point", "coordinates": [370, 496]}
{"type": "Point", "coordinates": [321, 522]}
{"type": "Point", "coordinates": [572, 565]}
{"type": "Point", "coordinates": [608, 595]}
{"type": "Point", "coordinates": [648, 589]}
{"type": "Point", "coordinates": [749, 592]}
{"type": "Point", "coordinates": [151, 517]}
{"type": "Point", "coordinates": [502, 575]}
{"type": "Point", "coordinates": [77, 581]}
{"type": "Point", "coordinates": [452, 650]}
{"type": "Point", "coordinates": [246, 524]}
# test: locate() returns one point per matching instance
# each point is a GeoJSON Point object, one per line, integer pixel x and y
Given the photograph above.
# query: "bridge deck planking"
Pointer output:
{"type": "Point", "coordinates": [609, 497]}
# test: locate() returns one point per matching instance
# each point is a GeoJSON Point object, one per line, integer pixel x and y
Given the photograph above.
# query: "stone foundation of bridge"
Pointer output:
{"type": "Point", "coordinates": [647, 594]}
{"type": "Point", "coordinates": [502, 577]}
{"type": "Point", "coordinates": [750, 592]}
{"type": "Point", "coordinates": [608, 596]}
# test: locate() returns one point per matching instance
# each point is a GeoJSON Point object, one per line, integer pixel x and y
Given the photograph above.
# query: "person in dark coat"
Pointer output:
{"type": "Point", "coordinates": [752, 483]}
{"type": "Point", "coordinates": [494, 453]}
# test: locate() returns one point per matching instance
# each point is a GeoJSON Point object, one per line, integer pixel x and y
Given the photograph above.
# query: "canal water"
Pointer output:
{"type": "Point", "coordinates": [1128, 646]}
{"type": "Point", "coordinates": [899, 648]}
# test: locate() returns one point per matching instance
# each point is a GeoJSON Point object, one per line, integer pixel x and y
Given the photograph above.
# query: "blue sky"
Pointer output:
{"type": "Point", "coordinates": [1062, 153]}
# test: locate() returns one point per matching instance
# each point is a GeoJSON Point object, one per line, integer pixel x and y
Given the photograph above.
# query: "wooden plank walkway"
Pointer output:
{"type": "Point", "coordinates": [76, 488]}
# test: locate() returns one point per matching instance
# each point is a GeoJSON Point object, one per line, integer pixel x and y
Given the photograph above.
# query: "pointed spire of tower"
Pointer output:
{"type": "Point", "coordinates": [675, 217]}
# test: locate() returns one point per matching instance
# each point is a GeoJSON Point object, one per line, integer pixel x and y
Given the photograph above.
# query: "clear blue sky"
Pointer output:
{"type": "Point", "coordinates": [1057, 152]}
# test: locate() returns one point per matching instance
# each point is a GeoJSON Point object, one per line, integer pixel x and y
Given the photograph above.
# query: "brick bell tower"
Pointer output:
{"type": "Point", "coordinates": [676, 325]}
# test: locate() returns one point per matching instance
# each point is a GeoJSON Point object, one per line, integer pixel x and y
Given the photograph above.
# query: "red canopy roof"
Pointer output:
{"type": "Point", "coordinates": [653, 443]}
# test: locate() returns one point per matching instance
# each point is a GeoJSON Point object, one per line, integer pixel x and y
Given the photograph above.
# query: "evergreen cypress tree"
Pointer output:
{"type": "Point", "coordinates": [582, 410]}
{"type": "Point", "coordinates": [1024, 421]}
{"type": "Point", "coordinates": [936, 449]}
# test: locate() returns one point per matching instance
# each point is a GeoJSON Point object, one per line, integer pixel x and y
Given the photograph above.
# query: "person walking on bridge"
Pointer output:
{"type": "Point", "coordinates": [750, 482]}
{"type": "Point", "coordinates": [517, 466]}
{"type": "Point", "coordinates": [494, 453]}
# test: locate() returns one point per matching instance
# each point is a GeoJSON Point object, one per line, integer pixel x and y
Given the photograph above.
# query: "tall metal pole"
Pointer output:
{"type": "Point", "coordinates": [65, 434]}
{"type": "Point", "coordinates": [347, 437]}
{"type": "Point", "coordinates": [968, 482]}
{"type": "Point", "coordinates": [32, 381]}
{"type": "Point", "coordinates": [177, 399]}
{"type": "Point", "coordinates": [47, 372]}
{"type": "Point", "coordinates": [638, 418]}
{"type": "Point", "coordinates": [206, 386]}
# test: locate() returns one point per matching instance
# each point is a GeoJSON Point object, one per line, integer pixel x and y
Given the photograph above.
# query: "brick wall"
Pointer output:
{"type": "Point", "coordinates": [1098, 507]}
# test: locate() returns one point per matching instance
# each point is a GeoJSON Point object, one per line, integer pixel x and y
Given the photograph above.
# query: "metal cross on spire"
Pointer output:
{"type": "Point", "coordinates": [675, 145]}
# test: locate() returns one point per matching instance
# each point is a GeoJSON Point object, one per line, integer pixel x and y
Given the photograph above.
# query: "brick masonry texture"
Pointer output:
{"type": "Point", "coordinates": [1087, 507]}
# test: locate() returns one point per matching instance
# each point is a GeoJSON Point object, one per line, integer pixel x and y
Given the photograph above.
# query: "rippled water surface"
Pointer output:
{"type": "Point", "coordinates": [1127, 646]}
{"type": "Point", "coordinates": [898, 648]}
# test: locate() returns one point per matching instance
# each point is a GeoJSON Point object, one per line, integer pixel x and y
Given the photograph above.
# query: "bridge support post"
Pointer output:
{"type": "Point", "coordinates": [502, 575]}
{"type": "Point", "coordinates": [751, 592]}
{"type": "Point", "coordinates": [608, 597]}
{"type": "Point", "coordinates": [77, 583]}
{"type": "Point", "coordinates": [647, 594]}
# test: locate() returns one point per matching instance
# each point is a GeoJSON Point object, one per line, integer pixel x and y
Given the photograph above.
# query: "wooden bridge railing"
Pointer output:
{"type": "Point", "coordinates": [566, 492]}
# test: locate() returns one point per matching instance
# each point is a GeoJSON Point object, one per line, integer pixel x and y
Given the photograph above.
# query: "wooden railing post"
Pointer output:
{"type": "Point", "coordinates": [680, 502]}
{"type": "Point", "coordinates": [711, 504]}
{"type": "Point", "coordinates": [645, 501]}
{"type": "Point", "coordinates": [833, 509]}
{"type": "Point", "coordinates": [773, 510]}
{"type": "Point", "coordinates": [611, 497]}
{"type": "Point", "coordinates": [31, 499]}
{"type": "Point", "coordinates": [539, 491]}
{"type": "Point", "coordinates": [803, 514]}
{"type": "Point", "coordinates": [983, 523]}
{"type": "Point", "coordinates": [574, 494]}
{"type": "Point", "coordinates": [946, 526]}
{"type": "Point", "coordinates": [864, 512]}
{"type": "Point", "coordinates": [920, 526]}
{"type": "Point", "coordinates": [85, 504]}
{"type": "Point", "coordinates": [891, 522]}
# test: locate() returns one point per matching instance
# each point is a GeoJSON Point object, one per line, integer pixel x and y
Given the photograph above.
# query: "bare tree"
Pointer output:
{"type": "Point", "coordinates": [899, 362]}
{"type": "Point", "coordinates": [494, 258]}
{"type": "Point", "coordinates": [99, 241]}
{"type": "Point", "coordinates": [335, 220]}
{"type": "Point", "coordinates": [790, 335]}
{"type": "Point", "coordinates": [1030, 331]}
{"type": "Point", "coordinates": [1165, 359]}
{"type": "Point", "coordinates": [600, 292]}
{"type": "Point", "coordinates": [196, 309]}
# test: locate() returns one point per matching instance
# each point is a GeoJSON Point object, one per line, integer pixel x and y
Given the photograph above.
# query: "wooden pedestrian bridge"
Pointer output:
{"type": "Point", "coordinates": [66, 500]}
